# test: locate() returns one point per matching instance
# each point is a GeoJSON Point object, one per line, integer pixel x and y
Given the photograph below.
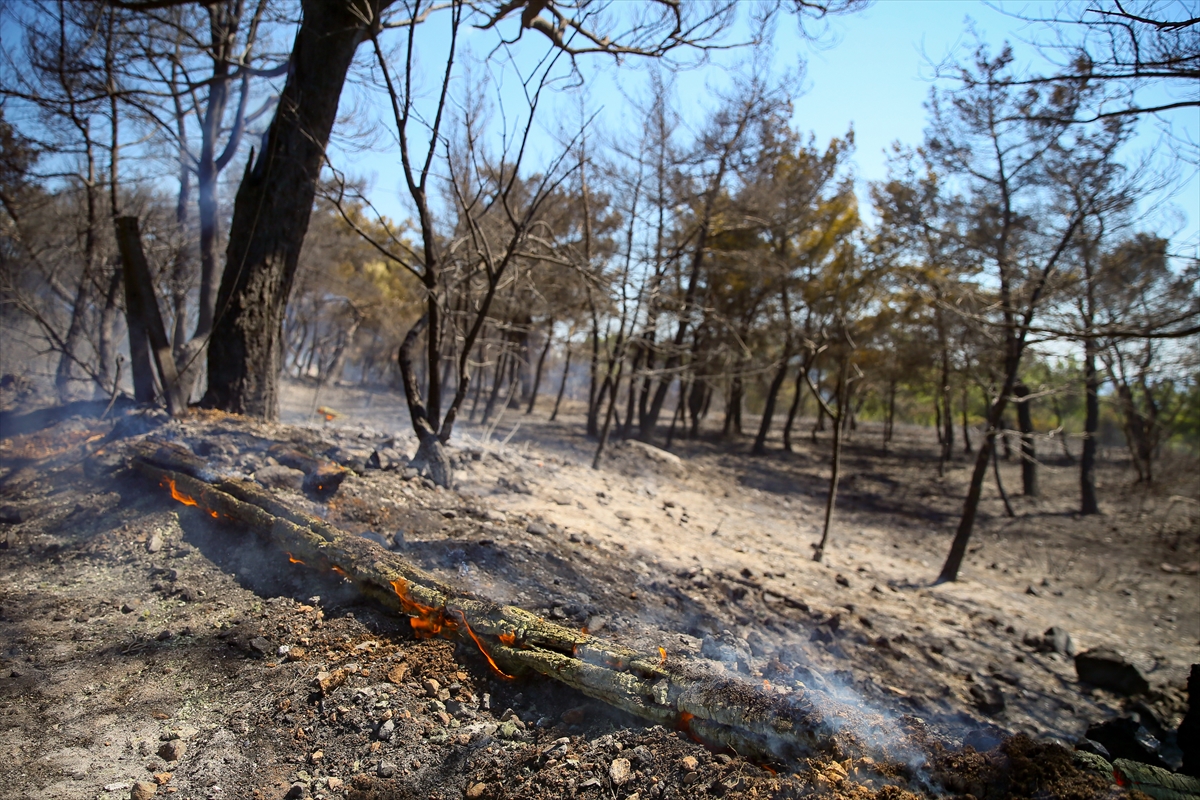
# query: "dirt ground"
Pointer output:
{"type": "Point", "coordinates": [147, 648]}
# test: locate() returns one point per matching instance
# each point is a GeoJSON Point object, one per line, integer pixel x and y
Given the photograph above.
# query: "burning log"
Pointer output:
{"type": "Point", "coordinates": [715, 709]}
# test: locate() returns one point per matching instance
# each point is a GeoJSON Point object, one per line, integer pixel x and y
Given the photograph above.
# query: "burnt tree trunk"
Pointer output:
{"type": "Point", "coordinates": [562, 385]}
{"type": "Point", "coordinates": [1089, 503]}
{"type": "Point", "coordinates": [760, 441]}
{"type": "Point", "coordinates": [541, 363]}
{"type": "Point", "coordinates": [795, 409]}
{"type": "Point", "coordinates": [272, 209]}
{"type": "Point", "coordinates": [1029, 484]}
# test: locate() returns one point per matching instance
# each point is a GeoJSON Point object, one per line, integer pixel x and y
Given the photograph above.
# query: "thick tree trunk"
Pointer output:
{"type": "Point", "coordinates": [272, 209]}
{"type": "Point", "coordinates": [1029, 484]}
{"type": "Point", "coordinates": [733, 409]}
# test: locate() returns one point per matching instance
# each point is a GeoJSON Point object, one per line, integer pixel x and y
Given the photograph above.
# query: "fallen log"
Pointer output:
{"type": "Point", "coordinates": [717, 709]}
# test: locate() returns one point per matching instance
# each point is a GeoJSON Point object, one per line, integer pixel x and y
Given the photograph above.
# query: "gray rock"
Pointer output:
{"type": "Point", "coordinates": [297, 791]}
{"type": "Point", "coordinates": [1108, 669]}
{"type": "Point", "coordinates": [155, 543]}
{"type": "Point", "coordinates": [386, 769]}
{"type": "Point", "coordinates": [537, 529]}
{"type": "Point", "coordinates": [261, 646]}
{"type": "Point", "coordinates": [987, 697]}
{"type": "Point", "coordinates": [172, 750]}
{"type": "Point", "coordinates": [386, 730]}
{"type": "Point", "coordinates": [725, 647]}
{"type": "Point", "coordinates": [280, 477]}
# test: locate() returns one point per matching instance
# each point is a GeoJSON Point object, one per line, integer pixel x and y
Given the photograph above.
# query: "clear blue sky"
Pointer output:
{"type": "Point", "coordinates": [873, 70]}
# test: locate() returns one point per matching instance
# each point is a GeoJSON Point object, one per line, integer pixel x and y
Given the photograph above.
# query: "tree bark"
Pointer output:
{"type": "Point", "coordinates": [272, 209]}
{"type": "Point", "coordinates": [541, 363]}
{"type": "Point", "coordinates": [760, 441]}
{"type": "Point", "coordinates": [143, 305]}
{"type": "Point", "coordinates": [1029, 483]}
{"type": "Point", "coordinates": [562, 385]}
{"type": "Point", "coordinates": [796, 407]}
{"type": "Point", "coordinates": [1088, 501]}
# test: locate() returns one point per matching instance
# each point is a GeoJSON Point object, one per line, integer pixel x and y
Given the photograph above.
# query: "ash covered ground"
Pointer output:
{"type": "Point", "coordinates": [150, 649]}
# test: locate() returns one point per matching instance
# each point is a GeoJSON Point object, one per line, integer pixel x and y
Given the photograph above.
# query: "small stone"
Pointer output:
{"type": "Point", "coordinates": [317, 755]}
{"type": "Point", "coordinates": [842, 580]}
{"type": "Point", "coordinates": [1032, 591]}
{"type": "Point", "coordinates": [1109, 670]}
{"type": "Point", "coordinates": [386, 769]}
{"type": "Point", "coordinates": [574, 716]}
{"type": "Point", "coordinates": [261, 646]}
{"type": "Point", "coordinates": [988, 698]}
{"type": "Point", "coordinates": [280, 477]}
{"type": "Point", "coordinates": [162, 778]}
{"type": "Point", "coordinates": [398, 673]}
{"type": "Point", "coordinates": [143, 790]}
{"type": "Point", "coordinates": [477, 790]}
{"type": "Point", "coordinates": [444, 718]}
{"type": "Point", "coordinates": [431, 687]}
{"type": "Point", "coordinates": [328, 681]}
{"type": "Point", "coordinates": [334, 783]}
{"type": "Point", "coordinates": [508, 730]}
{"type": "Point", "coordinates": [129, 606]}
{"type": "Point", "coordinates": [537, 529]}
{"type": "Point", "coordinates": [386, 731]}
{"type": "Point", "coordinates": [297, 791]}
{"type": "Point", "coordinates": [692, 777]}
{"type": "Point", "coordinates": [172, 750]}
{"type": "Point", "coordinates": [619, 770]}
{"type": "Point", "coordinates": [296, 653]}
{"type": "Point", "coordinates": [689, 763]}
{"type": "Point", "coordinates": [155, 543]}
{"type": "Point", "coordinates": [449, 513]}
{"type": "Point", "coordinates": [164, 636]}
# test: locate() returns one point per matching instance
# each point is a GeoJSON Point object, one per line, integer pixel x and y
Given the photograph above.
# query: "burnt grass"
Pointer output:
{"type": "Point", "coordinates": [129, 622]}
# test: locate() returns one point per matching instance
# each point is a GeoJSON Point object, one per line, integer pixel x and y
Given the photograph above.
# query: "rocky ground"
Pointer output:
{"type": "Point", "coordinates": [151, 651]}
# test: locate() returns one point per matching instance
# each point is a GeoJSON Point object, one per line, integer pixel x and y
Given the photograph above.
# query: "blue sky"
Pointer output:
{"type": "Point", "coordinates": [873, 70]}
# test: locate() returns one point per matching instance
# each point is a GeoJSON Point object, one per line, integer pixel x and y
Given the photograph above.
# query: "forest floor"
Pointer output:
{"type": "Point", "coordinates": [149, 649]}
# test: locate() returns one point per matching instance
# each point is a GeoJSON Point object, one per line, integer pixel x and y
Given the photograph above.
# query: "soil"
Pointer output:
{"type": "Point", "coordinates": [148, 648]}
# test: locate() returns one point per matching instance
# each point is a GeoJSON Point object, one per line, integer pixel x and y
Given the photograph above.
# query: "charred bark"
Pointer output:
{"type": "Point", "coordinates": [272, 209]}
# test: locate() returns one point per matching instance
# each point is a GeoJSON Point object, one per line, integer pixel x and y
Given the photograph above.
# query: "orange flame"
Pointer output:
{"type": "Point", "coordinates": [176, 494]}
{"type": "Point", "coordinates": [293, 559]}
{"type": "Point", "coordinates": [508, 638]}
{"type": "Point", "coordinates": [479, 644]}
{"type": "Point", "coordinates": [662, 656]}
{"type": "Point", "coordinates": [339, 570]}
{"type": "Point", "coordinates": [428, 622]}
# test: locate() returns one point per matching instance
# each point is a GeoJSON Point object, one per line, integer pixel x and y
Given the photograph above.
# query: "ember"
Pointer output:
{"type": "Point", "coordinates": [339, 570]}
{"type": "Point", "coordinates": [508, 638]}
{"type": "Point", "coordinates": [293, 559]}
{"type": "Point", "coordinates": [662, 656]}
